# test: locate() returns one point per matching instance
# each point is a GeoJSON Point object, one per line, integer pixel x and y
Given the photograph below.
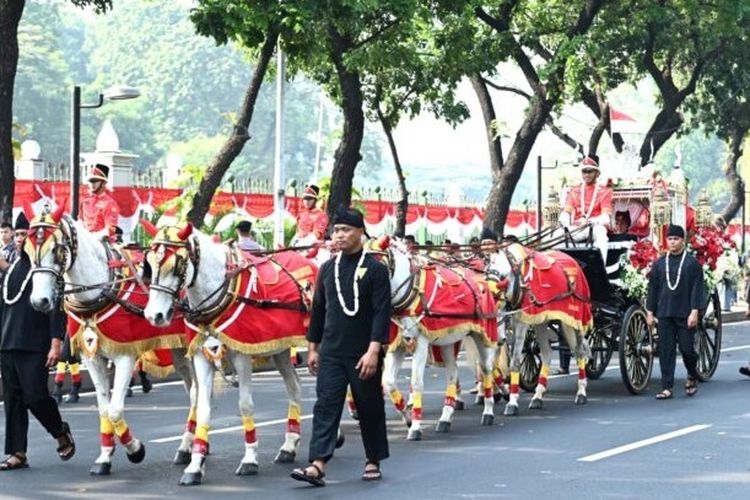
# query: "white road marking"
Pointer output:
{"type": "Point", "coordinates": [736, 348]}
{"type": "Point", "coordinates": [645, 442]}
{"type": "Point", "coordinates": [229, 429]}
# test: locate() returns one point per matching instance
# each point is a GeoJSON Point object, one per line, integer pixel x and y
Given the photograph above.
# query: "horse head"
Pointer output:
{"type": "Point", "coordinates": [503, 269]}
{"type": "Point", "coordinates": [393, 253]}
{"type": "Point", "coordinates": [172, 262]}
{"type": "Point", "coordinates": [52, 249]}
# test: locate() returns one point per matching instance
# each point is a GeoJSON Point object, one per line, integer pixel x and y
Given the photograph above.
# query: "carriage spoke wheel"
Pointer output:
{"type": "Point", "coordinates": [636, 350]}
{"type": "Point", "coordinates": [708, 338]}
{"type": "Point", "coordinates": [531, 363]}
{"type": "Point", "coordinates": [601, 352]}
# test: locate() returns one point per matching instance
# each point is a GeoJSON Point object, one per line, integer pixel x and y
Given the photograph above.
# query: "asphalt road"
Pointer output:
{"type": "Point", "coordinates": [616, 446]}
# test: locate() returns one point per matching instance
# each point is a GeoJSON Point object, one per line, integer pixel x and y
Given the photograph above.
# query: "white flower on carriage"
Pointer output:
{"type": "Point", "coordinates": [728, 266]}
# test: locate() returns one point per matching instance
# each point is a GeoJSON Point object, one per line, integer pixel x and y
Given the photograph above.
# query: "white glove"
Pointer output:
{"type": "Point", "coordinates": [602, 219]}
{"type": "Point", "coordinates": [564, 219]}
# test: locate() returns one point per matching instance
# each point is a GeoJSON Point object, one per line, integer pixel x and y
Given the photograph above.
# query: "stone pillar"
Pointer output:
{"type": "Point", "coordinates": [31, 166]}
{"type": "Point", "coordinates": [108, 152]}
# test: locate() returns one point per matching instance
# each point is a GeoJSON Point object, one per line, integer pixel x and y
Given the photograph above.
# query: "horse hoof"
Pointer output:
{"type": "Point", "coordinates": [511, 410]}
{"type": "Point", "coordinates": [248, 469]}
{"type": "Point", "coordinates": [102, 469]}
{"type": "Point", "coordinates": [460, 405]}
{"type": "Point", "coordinates": [138, 456]}
{"type": "Point", "coordinates": [536, 404]}
{"type": "Point", "coordinates": [443, 427]}
{"type": "Point", "coordinates": [181, 458]}
{"type": "Point", "coordinates": [414, 436]}
{"type": "Point", "coordinates": [191, 478]}
{"type": "Point", "coordinates": [285, 457]}
{"type": "Point", "coordinates": [340, 440]}
{"type": "Point", "coordinates": [488, 419]}
{"type": "Point", "coordinates": [581, 399]}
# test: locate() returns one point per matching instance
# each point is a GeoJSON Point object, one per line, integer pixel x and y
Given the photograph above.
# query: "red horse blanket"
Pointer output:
{"type": "Point", "coordinates": [271, 306]}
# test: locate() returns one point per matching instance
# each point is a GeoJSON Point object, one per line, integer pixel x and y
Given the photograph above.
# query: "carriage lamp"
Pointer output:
{"type": "Point", "coordinates": [552, 209]}
{"type": "Point", "coordinates": [661, 210]}
{"type": "Point", "coordinates": [703, 213]}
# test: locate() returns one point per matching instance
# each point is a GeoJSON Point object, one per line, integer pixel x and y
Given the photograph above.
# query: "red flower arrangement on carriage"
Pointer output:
{"type": "Point", "coordinates": [642, 255]}
{"type": "Point", "coordinates": [708, 245]}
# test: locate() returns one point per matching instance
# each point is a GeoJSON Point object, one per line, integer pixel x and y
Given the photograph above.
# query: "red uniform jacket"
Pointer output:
{"type": "Point", "coordinates": [99, 211]}
{"type": "Point", "coordinates": [312, 221]}
{"type": "Point", "coordinates": [578, 208]}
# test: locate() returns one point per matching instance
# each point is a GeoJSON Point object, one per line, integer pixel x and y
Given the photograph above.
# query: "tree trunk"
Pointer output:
{"type": "Point", "coordinates": [403, 203]}
{"type": "Point", "coordinates": [10, 16]}
{"type": "Point", "coordinates": [666, 123]}
{"type": "Point", "coordinates": [488, 113]}
{"type": "Point", "coordinates": [236, 141]}
{"type": "Point", "coordinates": [736, 184]}
{"type": "Point", "coordinates": [347, 153]}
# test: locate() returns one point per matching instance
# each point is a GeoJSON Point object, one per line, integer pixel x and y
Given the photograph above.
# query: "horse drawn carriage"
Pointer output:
{"type": "Point", "coordinates": [619, 315]}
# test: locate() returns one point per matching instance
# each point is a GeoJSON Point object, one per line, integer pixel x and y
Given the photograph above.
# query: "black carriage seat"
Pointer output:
{"type": "Point", "coordinates": [590, 260]}
{"type": "Point", "coordinates": [618, 245]}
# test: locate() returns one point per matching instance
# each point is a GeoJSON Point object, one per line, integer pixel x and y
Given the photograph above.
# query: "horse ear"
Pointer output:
{"type": "Point", "coordinates": [150, 229]}
{"type": "Point", "coordinates": [58, 213]}
{"type": "Point", "coordinates": [384, 242]}
{"type": "Point", "coordinates": [185, 232]}
{"type": "Point", "coordinates": [28, 211]}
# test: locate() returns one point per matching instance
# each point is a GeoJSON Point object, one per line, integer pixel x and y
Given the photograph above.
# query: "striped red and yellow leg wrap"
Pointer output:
{"type": "Point", "coordinates": [293, 355]}
{"type": "Point", "coordinates": [107, 432]}
{"type": "Point", "coordinates": [190, 427]}
{"type": "Point", "coordinates": [416, 409]}
{"type": "Point", "coordinates": [515, 378]}
{"type": "Point", "coordinates": [75, 373]}
{"type": "Point", "coordinates": [543, 374]}
{"type": "Point", "coordinates": [487, 385]}
{"type": "Point", "coordinates": [450, 396]}
{"type": "Point", "coordinates": [581, 369]}
{"type": "Point", "coordinates": [398, 400]}
{"type": "Point", "coordinates": [248, 423]}
{"type": "Point", "coordinates": [123, 431]}
{"type": "Point", "coordinates": [497, 377]}
{"type": "Point", "coordinates": [200, 443]}
{"type": "Point", "coordinates": [292, 424]}
{"type": "Point", "coordinates": [60, 372]}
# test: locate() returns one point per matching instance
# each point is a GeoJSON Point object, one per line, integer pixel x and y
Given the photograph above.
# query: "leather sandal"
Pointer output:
{"type": "Point", "coordinates": [15, 461]}
{"type": "Point", "coordinates": [691, 387]}
{"type": "Point", "coordinates": [67, 449]}
{"type": "Point", "coordinates": [665, 394]}
{"type": "Point", "coordinates": [302, 474]}
{"type": "Point", "coordinates": [372, 474]}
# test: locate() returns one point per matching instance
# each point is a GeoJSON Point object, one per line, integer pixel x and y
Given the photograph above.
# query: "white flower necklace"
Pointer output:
{"type": "Point", "coordinates": [355, 281]}
{"type": "Point", "coordinates": [25, 282]}
{"type": "Point", "coordinates": [679, 272]}
{"type": "Point", "coordinates": [587, 215]}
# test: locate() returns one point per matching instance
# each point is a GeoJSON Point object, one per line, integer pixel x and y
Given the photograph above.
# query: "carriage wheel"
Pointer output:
{"type": "Point", "coordinates": [531, 363]}
{"type": "Point", "coordinates": [636, 350]}
{"type": "Point", "coordinates": [601, 352]}
{"type": "Point", "coordinates": [708, 338]}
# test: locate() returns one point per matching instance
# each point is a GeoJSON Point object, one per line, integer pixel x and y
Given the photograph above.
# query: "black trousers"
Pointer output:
{"type": "Point", "coordinates": [673, 331]}
{"type": "Point", "coordinates": [334, 376]}
{"type": "Point", "coordinates": [25, 389]}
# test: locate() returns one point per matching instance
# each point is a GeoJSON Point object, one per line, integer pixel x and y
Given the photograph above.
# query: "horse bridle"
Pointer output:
{"type": "Point", "coordinates": [60, 238]}
{"type": "Point", "coordinates": [386, 257]}
{"type": "Point", "coordinates": [162, 251]}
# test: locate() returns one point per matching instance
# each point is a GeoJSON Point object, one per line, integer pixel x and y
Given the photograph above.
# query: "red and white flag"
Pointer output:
{"type": "Point", "coordinates": [620, 123]}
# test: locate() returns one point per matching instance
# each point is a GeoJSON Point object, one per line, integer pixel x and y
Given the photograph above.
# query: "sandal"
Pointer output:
{"type": "Point", "coordinates": [15, 461]}
{"type": "Point", "coordinates": [372, 474]}
{"type": "Point", "coordinates": [304, 475]}
{"type": "Point", "coordinates": [665, 394]}
{"type": "Point", "coordinates": [691, 387]}
{"type": "Point", "coordinates": [67, 449]}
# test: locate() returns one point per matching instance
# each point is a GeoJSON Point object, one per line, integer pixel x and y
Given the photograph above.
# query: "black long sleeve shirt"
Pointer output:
{"type": "Point", "coordinates": [349, 336]}
{"type": "Point", "coordinates": [690, 292]}
{"type": "Point", "coordinates": [23, 328]}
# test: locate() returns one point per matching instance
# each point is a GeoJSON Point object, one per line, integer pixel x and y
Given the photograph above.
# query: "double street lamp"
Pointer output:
{"type": "Point", "coordinates": [115, 93]}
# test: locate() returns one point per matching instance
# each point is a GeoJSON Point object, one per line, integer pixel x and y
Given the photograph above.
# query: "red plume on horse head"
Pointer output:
{"type": "Point", "coordinates": [58, 213]}
{"type": "Point", "coordinates": [384, 242]}
{"type": "Point", "coordinates": [185, 232]}
{"type": "Point", "coordinates": [150, 229]}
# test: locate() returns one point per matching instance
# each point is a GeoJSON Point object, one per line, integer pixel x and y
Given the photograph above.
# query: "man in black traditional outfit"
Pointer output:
{"type": "Point", "coordinates": [676, 294]}
{"type": "Point", "coordinates": [29, 345]}
{"type": "Point", "coordinates": [351, 312]}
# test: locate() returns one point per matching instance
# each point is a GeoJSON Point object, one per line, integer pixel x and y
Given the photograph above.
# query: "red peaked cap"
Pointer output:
{"type": "Point", "coordinates": [311, 191]}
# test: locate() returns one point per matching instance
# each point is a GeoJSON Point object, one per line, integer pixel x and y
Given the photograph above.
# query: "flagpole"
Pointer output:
{"type": "Point", "coordinates": [278, 170]}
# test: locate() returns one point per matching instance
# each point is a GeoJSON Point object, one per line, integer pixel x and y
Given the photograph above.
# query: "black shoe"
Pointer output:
{"type": "Point", "coordinates": [745, 370]}
{"type": "Point", "coordinates": [146, 384]}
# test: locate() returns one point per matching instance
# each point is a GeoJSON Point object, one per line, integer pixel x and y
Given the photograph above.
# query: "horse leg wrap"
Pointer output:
{"type": "Point", "coordinates": [292, 424]}
{"type": "Point", "coordinates": [248, 424]}
{"type": "Point", "coordinates": [450, 396]}
{"type": "Point", "coordinates": [200, 443]}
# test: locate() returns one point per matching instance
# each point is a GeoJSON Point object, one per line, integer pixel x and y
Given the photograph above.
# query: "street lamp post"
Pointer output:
{"type": "Point", "coordinates": [539, 169]}
{"type": "Point", "coordinates": [115, 93]}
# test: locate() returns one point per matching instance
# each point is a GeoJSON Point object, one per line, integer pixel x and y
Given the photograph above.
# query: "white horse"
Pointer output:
{"type": "Point", "coordinates": [542, 288]}
{"type": "Point", "coordinates": [103, 323]}
{"type": "Point", "coordinates": [411, 304]}
{"type": "Point", "coordinates": [221, 296]}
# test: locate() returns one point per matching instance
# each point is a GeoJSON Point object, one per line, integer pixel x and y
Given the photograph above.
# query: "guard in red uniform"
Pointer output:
{"type": "Point", "coordinates": [311, 220]}
{"type": "Point", "coordinates": [589, 203]}
{"type": "Point", "coordinates": [99, 211]}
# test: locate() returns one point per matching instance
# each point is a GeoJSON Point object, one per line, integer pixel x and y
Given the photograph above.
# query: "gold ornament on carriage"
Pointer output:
{"type": "Point", "coordinates": [703, 213]}
{"type": "Point", "coordinates": [661, 210]}
{"type": "Point", "coordinates": [552, 209]}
